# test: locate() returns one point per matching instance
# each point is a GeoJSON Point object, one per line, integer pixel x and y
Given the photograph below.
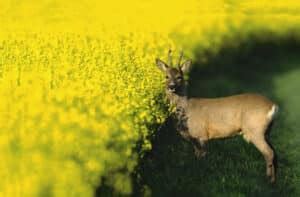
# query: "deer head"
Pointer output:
{"type": "Point", "coordinates": [175, 82]}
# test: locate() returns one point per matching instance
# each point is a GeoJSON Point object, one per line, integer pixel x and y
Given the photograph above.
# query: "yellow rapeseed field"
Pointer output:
{"type": "Point", "coordinates": [79, 88]}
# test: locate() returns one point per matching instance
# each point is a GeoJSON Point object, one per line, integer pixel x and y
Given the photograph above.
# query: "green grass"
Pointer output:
{"type": "Point", "coordinates": [233, 167]}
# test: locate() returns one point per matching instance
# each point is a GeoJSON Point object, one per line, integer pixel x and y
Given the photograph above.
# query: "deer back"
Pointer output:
{"type": "Point", "coordinates": [223, 117]}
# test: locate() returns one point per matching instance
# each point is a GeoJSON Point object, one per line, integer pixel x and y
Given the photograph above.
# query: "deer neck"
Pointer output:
{"type": "Point", "coordinates": [181, 102]}
{"type": "Point", "coordinates": [178, 99]}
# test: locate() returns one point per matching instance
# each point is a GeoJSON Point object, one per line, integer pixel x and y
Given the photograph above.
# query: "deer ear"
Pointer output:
{"type": "Point", "coordinates": [161, 65]}
{"type": "Point", "coordinates": [185, 67]}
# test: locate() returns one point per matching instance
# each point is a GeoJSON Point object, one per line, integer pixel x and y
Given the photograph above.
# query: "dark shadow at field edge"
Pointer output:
{"type": "Point", "coordinates": [232, 167]}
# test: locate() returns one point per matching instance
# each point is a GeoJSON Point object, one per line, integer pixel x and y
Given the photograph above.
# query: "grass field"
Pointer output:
{"type": "Point", "coordinates": [82, 100]}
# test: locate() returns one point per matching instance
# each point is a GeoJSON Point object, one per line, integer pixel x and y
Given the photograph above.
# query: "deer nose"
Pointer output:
{"type": "Point", "coordinates": [172, 86]}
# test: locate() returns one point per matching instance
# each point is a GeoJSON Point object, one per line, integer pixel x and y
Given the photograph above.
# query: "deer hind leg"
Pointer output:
{"type": "Point", "coordinates": [261, 144]}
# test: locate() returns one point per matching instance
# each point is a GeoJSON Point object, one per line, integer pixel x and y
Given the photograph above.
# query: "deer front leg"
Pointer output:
{"type": "Point", "coordinates": [185, 135]}
{"type": "Point", "coordinates": [199, 147]}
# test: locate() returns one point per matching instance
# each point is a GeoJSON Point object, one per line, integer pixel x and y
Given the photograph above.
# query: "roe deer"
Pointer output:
{"type": "Point", "coordinates": [202, 119]}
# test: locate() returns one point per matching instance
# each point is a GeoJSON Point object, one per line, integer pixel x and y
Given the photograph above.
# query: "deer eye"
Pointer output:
{"type": "Point", "coordinates": [167, 77]}
{"type": "Point", "coordinates": [179, 78]}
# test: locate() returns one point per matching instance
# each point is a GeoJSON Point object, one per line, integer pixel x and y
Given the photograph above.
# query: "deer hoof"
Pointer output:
{"type": "Point", "coordinates": [271, 174]}
{"type": "Point", "coordinates": [200, 153]}
{"type": "Point", "coordinates": [272, 179]}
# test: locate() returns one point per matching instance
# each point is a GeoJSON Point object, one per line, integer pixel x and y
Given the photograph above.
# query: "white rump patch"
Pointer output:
{"type": "Point", "coordinates": [272, 112]}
